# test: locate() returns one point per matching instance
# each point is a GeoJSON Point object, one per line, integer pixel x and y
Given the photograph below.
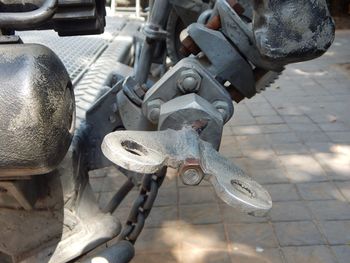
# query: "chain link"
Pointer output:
{"type": "Point", "coordinates": [142, 206]}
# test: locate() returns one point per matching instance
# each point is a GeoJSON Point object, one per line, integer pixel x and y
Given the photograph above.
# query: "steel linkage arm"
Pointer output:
{"type": "Point", "coordinates": [149, 152]}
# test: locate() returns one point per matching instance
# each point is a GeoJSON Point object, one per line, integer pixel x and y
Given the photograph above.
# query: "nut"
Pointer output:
{"type": "Point", "coordinates": [189, 81]}
{"type": "Point", "coordinates": [153, 110]}
{"type": "Point", "coordinates": [191, 172]}
{"type": "Point", "coordinates": [223, 108]}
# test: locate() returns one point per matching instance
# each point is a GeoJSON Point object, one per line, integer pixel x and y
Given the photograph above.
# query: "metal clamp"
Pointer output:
{"type": "Point", "coordinates": [148, 152]}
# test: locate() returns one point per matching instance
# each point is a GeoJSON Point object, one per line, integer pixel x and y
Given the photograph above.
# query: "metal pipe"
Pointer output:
{"type": "Point", "coordinates": [157, 22]}
{"type": "Point", "coordinates": [23, 20]}
{"type": "Point", "coordinates": [119, 197]}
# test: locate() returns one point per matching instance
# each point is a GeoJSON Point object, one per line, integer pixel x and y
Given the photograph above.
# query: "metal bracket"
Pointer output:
{"type": "Point", "coordinates": [148, 152]}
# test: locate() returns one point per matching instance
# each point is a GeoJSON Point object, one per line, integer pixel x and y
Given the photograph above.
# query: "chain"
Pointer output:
{"type": "Point", "coordinates": [142, 206]}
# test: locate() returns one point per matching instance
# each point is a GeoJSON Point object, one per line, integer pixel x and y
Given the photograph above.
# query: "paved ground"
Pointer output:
{"type": "Point", "coordinates": [294, 139]}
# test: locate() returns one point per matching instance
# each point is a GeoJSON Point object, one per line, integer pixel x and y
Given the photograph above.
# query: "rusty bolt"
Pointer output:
{"type": "Point", "coordinates": [191, 172]}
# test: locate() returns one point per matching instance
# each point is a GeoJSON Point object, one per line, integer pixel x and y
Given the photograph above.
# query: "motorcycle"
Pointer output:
{"type": "Point", "coordinates": [232, 51]}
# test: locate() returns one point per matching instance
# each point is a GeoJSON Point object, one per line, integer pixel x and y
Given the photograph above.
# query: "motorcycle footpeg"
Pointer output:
{"type": "Point", "coordinates": [148, 152]}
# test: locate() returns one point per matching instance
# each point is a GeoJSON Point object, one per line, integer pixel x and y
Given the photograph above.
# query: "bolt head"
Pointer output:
{"type": "Point", "coordinates": [191, 177]}
{"type": "Point", "coordinates": [223, 108]}
{"type": "Point", "coordinates": [153, 110]}
{"type": "Point", "coordinates": [189, 81]}
{"type": "Point", "coordinates": [154, 115]}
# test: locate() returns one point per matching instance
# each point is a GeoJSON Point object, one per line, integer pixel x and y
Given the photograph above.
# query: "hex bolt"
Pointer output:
{"type": "Point", "coordinates": [153, 110]}
{"type": "Point", "coordinates": [189, 81]}
{"type": "Point", "coordinates": [154, 115]}
{"type": "Point", "coordinates": [192, 177]}
{"type": "Point", "coordinates": [223, 108]}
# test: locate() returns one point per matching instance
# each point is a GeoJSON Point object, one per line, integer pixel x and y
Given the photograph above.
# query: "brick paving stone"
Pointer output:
{"type": "Point", "coordinates": [197, 195]}
{"type": "Point", "coordinates": [244, 254]}
{"type": "Point", "coordinates": [232, 216]}
{"type": "Point", "coordinates": [279, 138]}
{"type": "Point", "coordinates": [303, 168]}
{"type": "Point", "coordinates": [164, 257]}
{"type": "Point", "coordinates": [290, 148]}
{"type": "Point", "coordinates": [166, 197]}
{"type": "Point", "coordinates": [246, 130]}
{"type": "Point", "coordinates": [122, 213]}
{"type": "Point", "coordinates": [330, 210]}
{"type": "Point", "coordinates": [342, 253]}
{"type": "Point", "coordinates": [289, 211]}
{"type": "Point", "coordinates": [158, 240]}
{"type": "Point", "coordinates": [208, 237]}
{"type": "Point", "coordinates": [336, 232]}
{"type": "Point", "coordinates": [272, 119]}
{"type": "Point", "coordinates": [261, 109]}
{"type": "Point", "coordinates": [302, 127]}
{"type": "Point", "coordinates": [319, 191]}
{"type": "Point", "coordinates": [269, 176]}
{"type": "Point", "coordinates": [200, 214]}
{"type": "Point", "coordinates": [253, 235]}
{"type": "Point", "coordinates": [309, 254]}
{"type": "Point", "coordinates": [320, 147]}
{"type": "Point", "coordinates": [205, 256]}
{"type": "Point", "coordinates": [249, 141]}
{"type": "Point", "coordinates": [297, 119]}
{"type": "Point", "coordinates": [339, 137]}
{"type": "Point", "coordinates": [229, 147]}
{"type": "Point", "coordinates": [282, 192]}
{"type": "Point", "coordinates": [344, 188]}
{"type": "Point", "coordinates": [312, 136]}
{"type": "Point", "coordinates": [298, 234]}
{"type": "Point", "coordinates": [335, 127]}
{"type": "Point", "coordinates": [227, 131]}
{"type": "Point", "coordinates": [159, 215]}
{"type": "Point", "coordinates": [336, 165]}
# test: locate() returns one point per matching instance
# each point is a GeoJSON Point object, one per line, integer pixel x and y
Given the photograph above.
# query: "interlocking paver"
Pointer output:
{"type": "Point", "coordinates": [205, 256]}
{"type": "Point", "coordinates": [200, 214]}
{"type": "Point", "coordinates": [298, 234]}
{"type": "Point", "coordinates": [282, 192]}
{"type": "Point", "coordinates": [232, 216]}
{"type": "Point", "coordinates": [309, 254]}
{"type": "Point", "coordinates": [344, 188]}
{"type": "Point", "coordinates": [197, 195]}
{"type": "Point", "coordinates": [255, 235]}
{"type": "Point", "coordinates": [269, 176]}
{"type": "Point", "coordinates": [243, 254]}
{"type": "Point", "coordinates": [336, 232]}
{"type": "Point", "coordinates": [330, 210]}
{"type": "Point", "coordinates": [272, 119]}
{"type": "Point", "coordinates": [290, 148]}
{"type": "Point", "coordinates": [289, 211]}
{"type": "Point", "coordinates": [159, 215]}
{"type": "Point", "coordinates": [208, 237]}
{"type": "Point", "coordinates": [342, 253]}
{"type": "Point", "coordinates": [319, 191]}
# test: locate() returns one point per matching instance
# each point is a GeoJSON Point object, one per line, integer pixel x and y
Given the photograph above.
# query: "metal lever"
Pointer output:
{"type": "Point", "coordinates": [148, 152]}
